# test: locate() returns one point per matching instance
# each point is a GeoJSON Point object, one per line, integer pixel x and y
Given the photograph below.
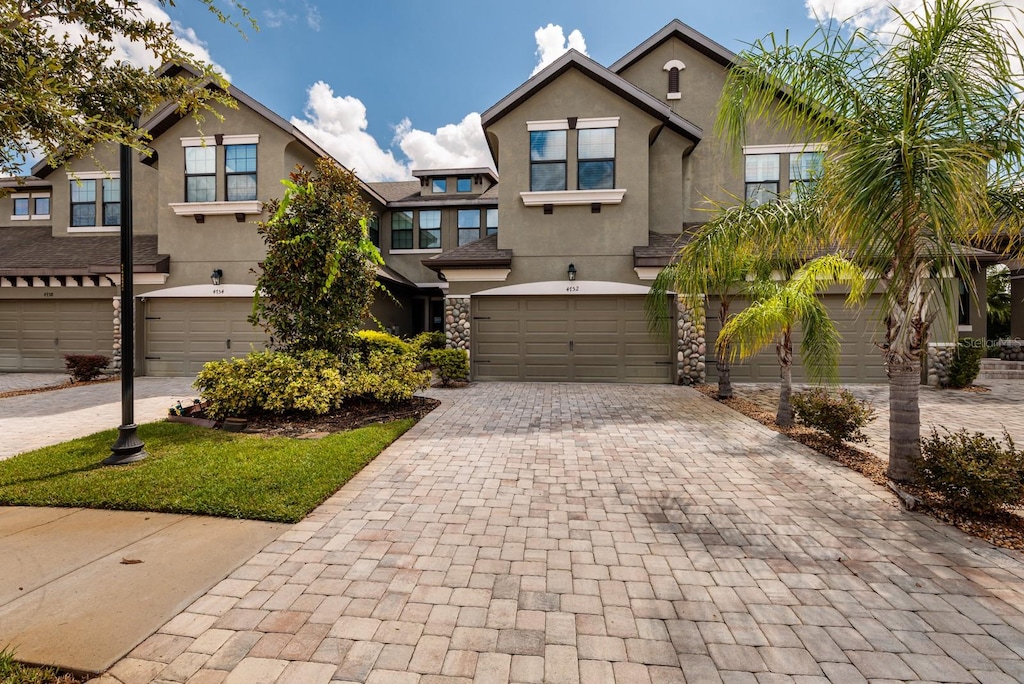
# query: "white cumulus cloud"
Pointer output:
{"type": "Point", "coordinates": [136, 53]}
{"type": "Point", "coordinates": [552, 44]}
{"type": "Point", "coordinates": [460, 145]}
{"type": "Point", "coordinates": [338, 124]}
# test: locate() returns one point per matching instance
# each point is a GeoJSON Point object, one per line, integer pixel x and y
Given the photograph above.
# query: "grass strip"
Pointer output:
{"type": "Point", "coordinates": [197, 471]}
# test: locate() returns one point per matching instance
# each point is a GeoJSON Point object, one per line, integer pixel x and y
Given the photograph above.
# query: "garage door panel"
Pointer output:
{"type": "Point", "coordinates": [36, 334]}
{"type": "Point", "coordinates": [605, 332]}
{"type": "Point", "coordinates": [184, 334]}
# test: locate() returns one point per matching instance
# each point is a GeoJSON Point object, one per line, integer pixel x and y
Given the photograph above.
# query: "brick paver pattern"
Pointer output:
{"type": "Point", "coordinates": [595, 533]}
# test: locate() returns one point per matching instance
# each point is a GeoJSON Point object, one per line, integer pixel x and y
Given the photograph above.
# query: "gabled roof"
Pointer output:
{"type": "Point", "coordinates": [479, 253]}
{"type": "Point", "coordinates": [35, 251]}
{"type": "Point", "coordinates": [677, 29]}
{"type": "Point", "coordinates": [405, 194]}
{"type": "Point", "coordinates": [588, 67]}
{"type": "Point", "coordinates": [166, 116]}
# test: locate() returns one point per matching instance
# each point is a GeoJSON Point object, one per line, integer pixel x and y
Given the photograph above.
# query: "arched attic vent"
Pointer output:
{"type": "Point", "coordinates": [673, 67]}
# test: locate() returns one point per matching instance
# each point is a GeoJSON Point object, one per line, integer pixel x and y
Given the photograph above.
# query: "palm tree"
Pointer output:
{"type": "Point", "coordinates": [911, 121]}
{"type": "Point", "coordinates": [722, 276]}
{"type": "Point", "coordinates": [777, 309]}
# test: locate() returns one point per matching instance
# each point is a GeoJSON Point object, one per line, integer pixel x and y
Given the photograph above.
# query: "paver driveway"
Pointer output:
{"type": "Point", "coordinates": [595, 533]}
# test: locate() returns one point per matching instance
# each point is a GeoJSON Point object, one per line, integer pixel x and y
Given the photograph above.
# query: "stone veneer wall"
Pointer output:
{"type": "Point", "coordinates": [456, 322]}
{"type": "Point", "coordinates": [939, 356]}
{"type": "Point", "coordinates": [691, 344]}
{"type": "Point", "coordinates": [115, 356]}
{"type": "Point", "coordinates": [1011, 350]}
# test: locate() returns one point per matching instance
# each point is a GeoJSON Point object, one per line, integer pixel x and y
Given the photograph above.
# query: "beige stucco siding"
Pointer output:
{"type": "Point", "coordinates": [572, 231]}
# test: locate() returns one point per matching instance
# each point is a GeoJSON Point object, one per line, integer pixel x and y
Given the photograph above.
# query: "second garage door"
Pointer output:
{"type": "Point", "coordinates": [35, 334]}
{"type": "Point", "coordinates": [567, 339]}
{"type": "Point", "coordinates": [860, 359]}
{"type": "Point", "coordinates": [183, 334]}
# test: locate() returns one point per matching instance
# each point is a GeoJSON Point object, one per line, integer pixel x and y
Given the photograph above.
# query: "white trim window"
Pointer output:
{"type": "Point", "coordinates": [21, 206]}
{"type": "Point", "coordinates": [761, 178]}
{"type": "Point", "coordinates": [547, 160]}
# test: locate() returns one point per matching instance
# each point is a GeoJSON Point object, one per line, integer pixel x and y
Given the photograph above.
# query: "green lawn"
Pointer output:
{"type": "Point", "coordinates": [196, 470]}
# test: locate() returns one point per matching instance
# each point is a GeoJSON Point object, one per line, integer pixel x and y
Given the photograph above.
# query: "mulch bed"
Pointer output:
{"type": "Point", "coordinates": [353, 415]}
{"type": "Point", "coordinates": [63, 385]}
{"type": "Point", "coordinates": [1004, 528]}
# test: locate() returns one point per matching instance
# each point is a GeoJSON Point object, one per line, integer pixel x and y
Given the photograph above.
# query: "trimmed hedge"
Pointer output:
{"type": "Point", "coordinates": [83, 367]}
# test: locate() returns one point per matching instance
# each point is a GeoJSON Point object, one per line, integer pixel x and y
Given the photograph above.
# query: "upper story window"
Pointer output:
{"type": "Point", "coordinates": [464, 184]}
{"type": "Point", "coordinates": [761, 177]}
{"type": "Point", "coordinates": [83, 202]}
{"type": "Point", "coordinates": [112, 201]}
{"type": "Point", "coordinates": [30, 206]}
{"type": "Point", "coordinates": [201, 174]}
{"type": "Point", "coordinates": [401, 230]}
{"type": "Point", "coordinates": [492, 221]}
{"type": "Point", "coordinates": [430, 229]}
{"type": "Point", "coordinates": [547, 160]}
{"type": "Point", "coordinates": [439, 185]}
{"type": "Point", "coordinates": [804, 170]}
{"type": "Point", "coordinates": [469, 225]}
{"type": "Point", "coordinates": [21, 207]}
{"type": "Point", "coordinates": [240, 172]}
{"type": "Point", "coordinates": [373, 229]}
{"type": "Point", "coordinates": [596, 158]}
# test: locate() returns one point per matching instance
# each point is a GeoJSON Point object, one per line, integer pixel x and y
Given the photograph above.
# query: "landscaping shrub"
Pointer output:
{"type": "Point", "coordinates": [973, 472]}
{"type": "Point", "coordinates": [840, 416]}
{"type": "Point", "coordinates": [452, 364]}
{"type": "Point", "coordinates": [82, 367]}
{"type": "Point", "coordinates": [384, 367]}
{"type": "Point", "coordinates": [426, 342]}
{"type": "Point", "coordinates": [275, 382]}
{"type": "Point", "coordinates": [370, 340]}
{"type": "Point", "coordinates": [965, 364]}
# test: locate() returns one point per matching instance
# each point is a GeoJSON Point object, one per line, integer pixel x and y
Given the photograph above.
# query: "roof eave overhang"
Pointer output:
{"type": "Point", "coordinates": [439, 265]}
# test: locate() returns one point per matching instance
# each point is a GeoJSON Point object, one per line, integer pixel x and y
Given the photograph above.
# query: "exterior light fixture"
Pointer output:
{"type": "Point", "coordinates": [572, 272]}
{"type": "Point", "coordinates": [216, 276]}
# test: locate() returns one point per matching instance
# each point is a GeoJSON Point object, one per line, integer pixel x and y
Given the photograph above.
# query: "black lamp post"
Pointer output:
{"type": "Point", "coordinates": [128, 448]}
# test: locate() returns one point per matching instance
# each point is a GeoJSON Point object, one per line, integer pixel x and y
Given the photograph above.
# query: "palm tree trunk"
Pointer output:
{"type": "Point", "coordinates": [722, 358]}
{"type": "Point", "coordinates": [784, 414]}
{"type": "Point", "coordinates": [904, 420]}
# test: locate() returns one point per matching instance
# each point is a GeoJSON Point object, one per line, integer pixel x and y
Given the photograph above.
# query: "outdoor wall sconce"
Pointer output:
{"type": "Point", "coordinates": [216, 276]}
{"type": "Point", "coordinates": [572, 272]}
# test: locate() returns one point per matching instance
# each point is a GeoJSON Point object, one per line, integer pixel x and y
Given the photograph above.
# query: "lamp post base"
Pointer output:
{"type": "Point", "coordinates": [128, 448]}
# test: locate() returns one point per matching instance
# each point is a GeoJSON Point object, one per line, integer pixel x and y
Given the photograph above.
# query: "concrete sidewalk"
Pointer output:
{"type": "Point", "coordinates": [69, 597]}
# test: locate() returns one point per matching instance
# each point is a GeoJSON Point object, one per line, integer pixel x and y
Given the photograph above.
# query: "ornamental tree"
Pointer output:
{"type": "Point", "coordinates": [64, 91]}
{"type": "Point", "coordinates": [318, 279]}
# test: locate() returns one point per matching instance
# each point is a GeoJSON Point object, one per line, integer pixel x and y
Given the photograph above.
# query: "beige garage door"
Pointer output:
{"type": "Point", "coordinates": [36, 334]}
{"type": "Point", "coordinates": [860, 359]}
{"type": "Point", "coordinates": [183, 334]}
{"type": "Point", "coordinates": [567, 339]}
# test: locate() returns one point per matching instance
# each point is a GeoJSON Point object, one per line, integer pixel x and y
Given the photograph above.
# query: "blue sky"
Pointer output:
{"type": "Point", "coordinates": [398, 79]}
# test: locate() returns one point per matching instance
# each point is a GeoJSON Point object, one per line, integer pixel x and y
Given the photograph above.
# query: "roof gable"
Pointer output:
{"type": "Point", "coordinates": [588, 67]}
{"type": "Point", "coordinates": [688, 35]}
{"type": "Point", "coordinates": [166, 116]}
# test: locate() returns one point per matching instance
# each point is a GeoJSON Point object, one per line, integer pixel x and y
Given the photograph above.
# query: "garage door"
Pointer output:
{"type": "Point", "coordinates": [183, 334]}
{"type": "Point", "coordinates": [36, 334]}
{"type": "Point", "coordinates": [567, 339]}
{"type": "Point", "coordinates": [860, 359]}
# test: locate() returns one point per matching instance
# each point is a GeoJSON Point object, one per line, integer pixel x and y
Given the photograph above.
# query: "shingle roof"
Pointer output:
{"type": "Point", "coordinates": [34, 251]}
{"type": "Point", "coordinates": [688, 35]}
{"type": "Point", "coordinates": [483, 252]}
{"type": "Point", "coordinates": [392, 191]}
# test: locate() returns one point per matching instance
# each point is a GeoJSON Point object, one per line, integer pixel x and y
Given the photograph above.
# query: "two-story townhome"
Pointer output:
{"type": "Point", "coordinates": [603, 170]}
